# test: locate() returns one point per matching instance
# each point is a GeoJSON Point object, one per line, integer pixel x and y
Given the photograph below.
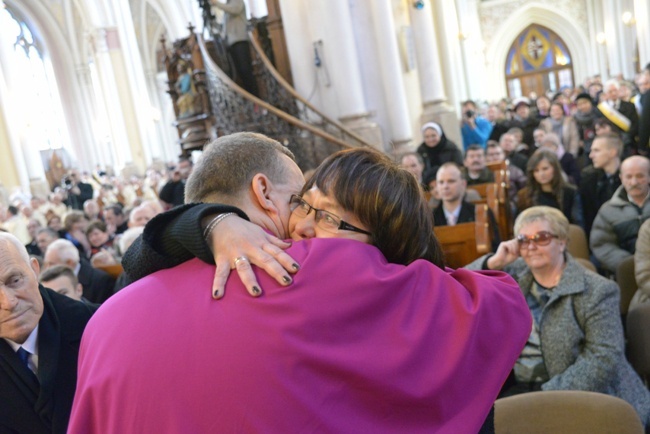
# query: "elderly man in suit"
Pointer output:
{"type": "Point", "coordinates": [40, 333]}
{"type": "Point", "coordinates": [97, 284]}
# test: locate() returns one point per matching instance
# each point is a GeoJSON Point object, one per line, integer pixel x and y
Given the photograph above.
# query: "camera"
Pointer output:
{"type": "Point", "coordinates": [66, 183]}
{"type": "Point", "coordinates": [469, 114]}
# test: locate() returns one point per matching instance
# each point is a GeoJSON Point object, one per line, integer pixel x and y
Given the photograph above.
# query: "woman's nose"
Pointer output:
{"type": "Point", "coordinates": [306, 227]}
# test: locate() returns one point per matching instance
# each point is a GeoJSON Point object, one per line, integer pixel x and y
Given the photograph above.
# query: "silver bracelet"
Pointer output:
{"type": "Point", "coordinates": [213, 224]}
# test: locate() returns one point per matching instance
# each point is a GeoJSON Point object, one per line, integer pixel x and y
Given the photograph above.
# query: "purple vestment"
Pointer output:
{"type": "Point", "coordinates": [354, 345]}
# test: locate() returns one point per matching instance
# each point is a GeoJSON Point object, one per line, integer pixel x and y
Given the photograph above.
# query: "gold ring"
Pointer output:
{"type": "Point", "coordinates": [241, 259]}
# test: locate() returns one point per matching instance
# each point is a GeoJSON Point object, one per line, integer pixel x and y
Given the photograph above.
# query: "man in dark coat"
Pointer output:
{"type": "Point", "coordinates": [97, 285]}
{"type": "Point", "coordinates": [453, 208]}
{"type": "Point", "coordinates": [599, 181]}
{"type": "Point", "coordinates": [644, 119]}
{"type": "Point", "coordinates": [41, 332]}
{"type": "Point", "coordinates": [78, 191]}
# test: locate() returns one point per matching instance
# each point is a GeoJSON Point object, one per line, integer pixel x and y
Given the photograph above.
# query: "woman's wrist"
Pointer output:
{"type": "Point", "coordinates": [207, 232]}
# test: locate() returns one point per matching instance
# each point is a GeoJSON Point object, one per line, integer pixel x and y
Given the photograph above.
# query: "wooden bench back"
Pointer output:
{"type": "Point", "coordinates": [465, 242]}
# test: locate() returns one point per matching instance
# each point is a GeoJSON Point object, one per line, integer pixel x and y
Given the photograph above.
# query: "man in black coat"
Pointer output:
{"type": "Point", "coordinates": [41, 331]}
{"type": "Point", "coordinates": [644, 118]}
{"type": "Point", "coordinates": [97, 285]}
{"type": "Point", "coordinates": [453, 208]}
{"type": "Point", "coordinates": [78, 191]}
{"type": "Point", "coordinates": [599, 181]}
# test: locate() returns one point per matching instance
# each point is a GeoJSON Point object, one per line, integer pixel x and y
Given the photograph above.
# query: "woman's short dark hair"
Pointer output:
{"type": "Point", "coordinates": [96, 224]}
{"type": "Point", "coordinates": [385, 198]}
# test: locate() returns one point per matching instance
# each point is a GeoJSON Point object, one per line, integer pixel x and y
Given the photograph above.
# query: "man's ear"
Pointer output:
{"type": "Point", "coordinates": [33, 262]}
{"type": "Point", "coordinates": [261, 189]}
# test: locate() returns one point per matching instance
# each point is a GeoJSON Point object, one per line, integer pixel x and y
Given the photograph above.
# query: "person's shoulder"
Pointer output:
{"type": "Point", "coordinates": [71, 314]}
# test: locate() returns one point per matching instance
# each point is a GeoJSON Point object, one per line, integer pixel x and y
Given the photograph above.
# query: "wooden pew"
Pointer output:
{"type": "Point", "coordinates": [465, 242]}
{"type": "Point", "coordinates": [502, 179]}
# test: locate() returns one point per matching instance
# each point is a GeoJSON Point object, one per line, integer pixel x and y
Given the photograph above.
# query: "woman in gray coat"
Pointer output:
{"type": "Point", "coordinates": [577, 338]}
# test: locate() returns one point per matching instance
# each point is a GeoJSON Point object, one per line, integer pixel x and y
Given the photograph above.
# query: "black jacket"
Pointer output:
{"type": "Point", "coordinates": [595, 189]}
{"type": "Point", "coordinates": [43, 406]}
{"type": "Point", "coordinates": [467, 215]}
{"type": "Point", "coordinates": [443, 152]}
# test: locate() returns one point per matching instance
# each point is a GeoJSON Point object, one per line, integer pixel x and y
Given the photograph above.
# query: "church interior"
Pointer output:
{"type": "Point", "coordinates": [85, 81]}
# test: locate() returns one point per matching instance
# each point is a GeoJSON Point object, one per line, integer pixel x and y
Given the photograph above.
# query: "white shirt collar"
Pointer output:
{"type": "Point", "coordinates": [455, 212]}
{"type": "Point", "coordinates": [29, 345]}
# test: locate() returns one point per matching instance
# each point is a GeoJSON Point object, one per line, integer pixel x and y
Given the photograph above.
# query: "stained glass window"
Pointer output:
{"type": "Point", "coordinates": [539, 58]}
{"type": "Point", "coordinates": [33, 95]}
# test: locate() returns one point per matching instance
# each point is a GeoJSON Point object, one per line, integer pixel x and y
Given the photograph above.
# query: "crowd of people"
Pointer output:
{"type": "Point", "coordinates": [358, 323]}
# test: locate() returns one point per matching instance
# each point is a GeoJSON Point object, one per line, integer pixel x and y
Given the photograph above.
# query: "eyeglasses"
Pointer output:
{"type": "Point", "coordinates": [324, 219]}
{"type": "Point", "coordinates": [542, 238]}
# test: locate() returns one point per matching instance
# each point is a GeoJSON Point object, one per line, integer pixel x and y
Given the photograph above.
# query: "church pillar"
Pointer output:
{"type": "Point", "coordinates": [391, 74]}
{"type": "Point", "coordinates": [626, 38]}
{"type": "Point", "coordinates": [115, 97]}
{"type": "Point", "coordinates": [17, 131]}
{"type": "Point", "coordinates": [434, 99]}
{"type": "Point", "coordinates": [611, 21]}
{"type": "Point", "coordinates": [446, 21]}
{"type": "Point", "coordinates": [642, 16]}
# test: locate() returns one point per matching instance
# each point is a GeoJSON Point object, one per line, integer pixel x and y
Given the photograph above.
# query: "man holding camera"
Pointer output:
{"type": "Point", "coordinates": [475, 129]}
{"type": "Point", "coordinates": [173, 193]}
{"type": "Point", "coordinates": [78, 191]}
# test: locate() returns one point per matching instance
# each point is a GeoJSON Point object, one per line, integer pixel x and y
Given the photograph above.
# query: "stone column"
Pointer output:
{"type": "Point", "coordinates": [434, 99]}
{"type": "Point", "coordinates": [325, 62]}
{"type": "Point", "coordinates": [391, 72]}
{"type": "Point", "coordinates": [611, 26]}
{"type": "Point", "coordinates": [642, 16]}
{"type": "Point", "coordinates": [114, 96]}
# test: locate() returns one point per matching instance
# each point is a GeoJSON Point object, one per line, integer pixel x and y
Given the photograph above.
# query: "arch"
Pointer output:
{"type": "Point", "coordinates": [538, 61]}
{"type": "Point", "coordinates": [535, 13]}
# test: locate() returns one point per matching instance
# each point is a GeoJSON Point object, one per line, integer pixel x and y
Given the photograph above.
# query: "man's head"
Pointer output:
{"type": "Point", "coordinates": [184, 168]}
{"type": "Point", "coordinates": [468, 109]}
{"type": "Point", "coordinates": [33, 225]}
{"type": "Point", "coordinates": [114, 216]}
{"type": "Point", "coordinates": [508, 143]}
{"type": "Point", "coordinates": [140, 215]}
{"type": "Point", "coordinates": [538, 135]}
{"type": "Point", "coordinates": [584, 103]}
{"type": "Point", "coordinates": [62, 280]}
{"type": "Point", "coordinates": [450, 183]}
{"type": "Point", "coordinates": [522, 107]}
{"type": "Point", "coordinates": [605, 151]}
{"type": "Point", "coordinates": [75, 221]}
{"type": "Point", "coordinates": [91, 209]}
{"type": "Point", "coordinates": [61, 252]}
{"type": "Point", "coordinates": [412, 162]}
{"type": "Point", "coordinates": [611, 90]}
{"type": "Point", "coordinates": [603, 127]}
{"type": "Point", "coordinates": [494, 113]}
{"type": "Point", "coordinates": [494, 153]}
{"type": "Point", "coordinates": [635, 177]}
{"type": "Point", "coordinates": [474, 160]}
{"type": "Point", "coordinates": [643, 81]}
{"type": "Point", "coordinates": [45, 237]}
{"type": "Point", "coordinates": [21, 305]}
{"type": "Point", "coordinates": [250, 171]}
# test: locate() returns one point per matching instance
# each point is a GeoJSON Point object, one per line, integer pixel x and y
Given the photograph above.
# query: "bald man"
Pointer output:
{"type": "Point", "coordinates": [615, 229]}
{"type": "Point", "coordinates": [40, 333]}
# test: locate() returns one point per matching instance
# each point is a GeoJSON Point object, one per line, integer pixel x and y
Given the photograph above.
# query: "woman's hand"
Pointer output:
{"type": "Point", "coordinates": [507, 253]}
{"type": "Point", "coordinates": [237, 244]}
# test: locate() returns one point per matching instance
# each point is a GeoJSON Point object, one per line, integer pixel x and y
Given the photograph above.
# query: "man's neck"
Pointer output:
{"type": "Point", "coordinates": [451, 206]}
{"type": "Point", "coordinates": [474, 174]}
{"type": "Point", "coordinates": [612, 167]}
